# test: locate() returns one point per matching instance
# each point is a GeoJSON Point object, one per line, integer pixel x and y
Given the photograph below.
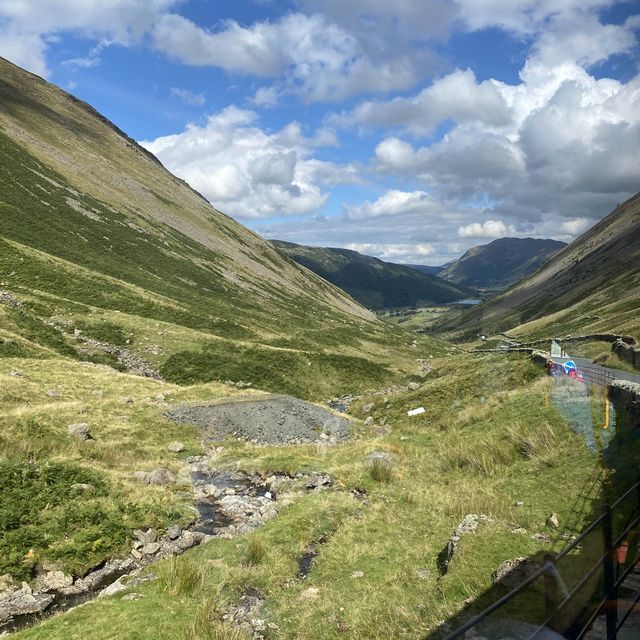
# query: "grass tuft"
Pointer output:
{"type": "Point", "coordinates": [381, 470]}
{"type": "Point", "coordinates": [181, 576]}
{"type": "Point", "coordinates": [256, 551]}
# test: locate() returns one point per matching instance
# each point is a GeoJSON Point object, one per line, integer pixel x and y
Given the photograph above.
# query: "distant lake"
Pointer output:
{"type": "Point", "coordinates": [468, 301]}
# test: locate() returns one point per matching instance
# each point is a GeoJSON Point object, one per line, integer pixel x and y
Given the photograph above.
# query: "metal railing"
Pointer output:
{"type": "Point", "coordinates": [557, 596]}
{"type": "Point", "coordinates": [600, 377]}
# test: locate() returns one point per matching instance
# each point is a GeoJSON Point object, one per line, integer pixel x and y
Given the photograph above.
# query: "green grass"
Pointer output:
{"type": "Point", "coordinates": [488, 440]}
{"type": "Point", "coordinates": [43, 518]}
{"type": "Point", "coordinates": [115, 246]}
{"type": "Point", "coordinates": [381, 470]}
{"type": "Point", "coordinates": [303, 374]}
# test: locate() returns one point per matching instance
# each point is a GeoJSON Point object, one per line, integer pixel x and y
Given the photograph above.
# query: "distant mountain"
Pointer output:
{"type": "Point", "coordinates": [591, 286]}
{"type": "Point", "coordinates": [425, 268]}
{"type": "Point", "coordinates": [500, 263]}
{"type": "Point", "coordinates": [372, 282]}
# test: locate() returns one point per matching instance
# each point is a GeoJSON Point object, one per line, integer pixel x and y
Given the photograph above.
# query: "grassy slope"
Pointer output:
{"type": "Point", "coordinates": [372, 282]}
{"type": "Point", "coordinates": [591, 286]}
{"type": "Point", "coordinates": [486, 441]}
{"type": "Point", "coordinates": [96, 235]}
{"type": "Point", "coordinates": [500, 263]}
{"type": "Point", "coordinates": [91, 224]}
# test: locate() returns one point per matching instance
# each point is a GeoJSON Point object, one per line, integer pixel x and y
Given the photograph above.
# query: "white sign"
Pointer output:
{"type": "Point", "coordinates": [415, 412]}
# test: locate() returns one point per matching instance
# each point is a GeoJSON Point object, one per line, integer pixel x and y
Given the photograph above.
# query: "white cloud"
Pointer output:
{"type": "Point", "coordinates": [582, 38]}
{"type": "Point", "coordinates": [392, 203]}
{"type": "Point", "coordinates": [265, 97]}
{"type": "Point", "coordinates": [309, 55]}
{"type": "Point", "coordinates": [575, 226]}
{"type": "Point", "coordinates": [27, 25]}
{"type": "Point", "coordinates": [393, 252]}
{"type": "Point", "coordinates": [488, 229]}
{"type": "Point", "coordinates": [246, 171]}
{"type": "Point", "coordinates": [457, 96]}
{"type": "Point", "coordinates": [26, 50]}
{"type": "Point", "coordinates": [188, 97]}
{"type": "Point", "coordinates": [83, 62]}
{"type": "Point", "coordinates": [568, 149]}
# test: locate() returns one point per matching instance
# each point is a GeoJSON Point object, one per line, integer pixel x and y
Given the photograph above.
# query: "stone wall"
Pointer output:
{"type": "Point", "coordinates": [628, 352]}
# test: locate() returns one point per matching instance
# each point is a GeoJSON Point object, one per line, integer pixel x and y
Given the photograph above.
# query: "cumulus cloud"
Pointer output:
{"type": "Point", "coordinates": [457, 96]}
{"type": "Point", "coordinates": [487, 229]}
{"type": "Point", "coordinates": [188, 97]}
{"type": "Point", "coordinates": [25, 25]}
{"type": "Point", "coordinates": [265, 97]}
{"type": "Point", "coordinates": [307, 54]}
{"type": "Point", "coordinates": [246, 171]}
{"type": "Point", "coordinates": [567, 149]}
{"type": "Point", "coordinates": [391, 203]}
{"type": "Point", "coordinates": [394, 252]}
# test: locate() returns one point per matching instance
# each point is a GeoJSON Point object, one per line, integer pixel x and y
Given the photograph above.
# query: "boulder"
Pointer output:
{"type": "Point", "coordinates": [174, 532]}
{"type": "Point", "coordinates": [53, 581]}
{"type": "Point", "coordinates": [79, 430]}
{"type": "Point", "coordinates": [176, 447]}
{"type": "Point", "coordinates": [84, 487]}
{"type": "Point", "coordinates": [319, 480]}
{"type": "Point", "coordinates": [413, 386]}
{"type": "Point", "coordinates": [380, 455]}
{"type": "Point", "coordinates": [368, 408]}
{"type": "Point", "coordinates": [369, 421]}
{"type": "Point", "coordinates": [161, 477]}
{"type": "Point", "coordinates": [146, 536]}
{"type": "Point", "coordinates": [22, 601]}
{"type": "Point", "coordinates": [512, 573]}
{"type": "Point", "coordinates": [150, 549]}
{"type": "Point", "coordinates": [190, 539]}
{"type": "Point", "coordinates": [552, 521]}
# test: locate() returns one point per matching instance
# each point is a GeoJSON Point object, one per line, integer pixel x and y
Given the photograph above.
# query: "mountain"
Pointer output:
{"type": "Point", "coordinates": [500, 263]}
{"type": "Point", "coordinates": [591, 286]}
{"type": "Point", "coordinates": [425, 268]}
{"type": "Point", "coordinates": [96, 233]}
{"type": "Point", "coordinates": [372, 282]}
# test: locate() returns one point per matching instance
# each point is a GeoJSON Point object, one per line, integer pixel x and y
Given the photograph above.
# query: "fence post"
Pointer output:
{"type": "Point", "coordinates": [551, 592]}
{"type": "Point", "coordinates": [610, 592]}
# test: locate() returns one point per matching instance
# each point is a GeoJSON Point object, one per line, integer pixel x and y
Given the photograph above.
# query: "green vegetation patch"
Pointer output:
{"type": "Point", "coordinates": [305, 375]}
{"type": "Point", "coordinates": [106, 332]}
{"type": "Point", "coordinates": [44, 515]}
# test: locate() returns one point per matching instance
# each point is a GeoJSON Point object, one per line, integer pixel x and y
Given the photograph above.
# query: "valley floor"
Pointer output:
{"type": "Point", "coordinates": [489, 443]}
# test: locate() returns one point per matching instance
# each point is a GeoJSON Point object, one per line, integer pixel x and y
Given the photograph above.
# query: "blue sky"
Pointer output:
{"type": "Point", "coordinates": [409, 130]}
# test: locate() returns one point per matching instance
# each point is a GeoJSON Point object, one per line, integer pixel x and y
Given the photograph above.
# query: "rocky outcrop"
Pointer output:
{"type": "Point", "coordinates": [133, 363]}
{"type": "Point", "coordinates": [160, 477]}
{"type": "Point", "coordinates": [512, 573]}
{"type": "Point", "coordinates": [469, 524]}
{"type": "Point", "coordinates": [20, 601]}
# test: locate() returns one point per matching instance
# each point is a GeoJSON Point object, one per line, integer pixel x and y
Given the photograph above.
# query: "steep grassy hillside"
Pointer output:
{"type": "Point", "coordinates": [93, 229]}
{"type": "Point", "coordinates": [591, 286]}
{"type": "Point", "coordinates": [372, 282]}
{"type": "Point", "coordinates": [500, 263]}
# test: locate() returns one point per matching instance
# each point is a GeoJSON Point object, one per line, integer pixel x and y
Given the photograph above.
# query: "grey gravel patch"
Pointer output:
{"type": "Point", "coordinates": [281, 420]}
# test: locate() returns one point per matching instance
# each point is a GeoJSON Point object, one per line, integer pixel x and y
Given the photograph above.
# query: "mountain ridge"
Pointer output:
{"type": "Point", "coordinates": [373, 282]}
{"type": "Point", "coordinates": [499, 263]}
{"type": "Point", "coordinates": [593, 285]}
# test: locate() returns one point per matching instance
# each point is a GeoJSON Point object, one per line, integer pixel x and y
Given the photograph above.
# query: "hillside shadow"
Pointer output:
{"type": "Point", "coordinates": [529, 613]}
